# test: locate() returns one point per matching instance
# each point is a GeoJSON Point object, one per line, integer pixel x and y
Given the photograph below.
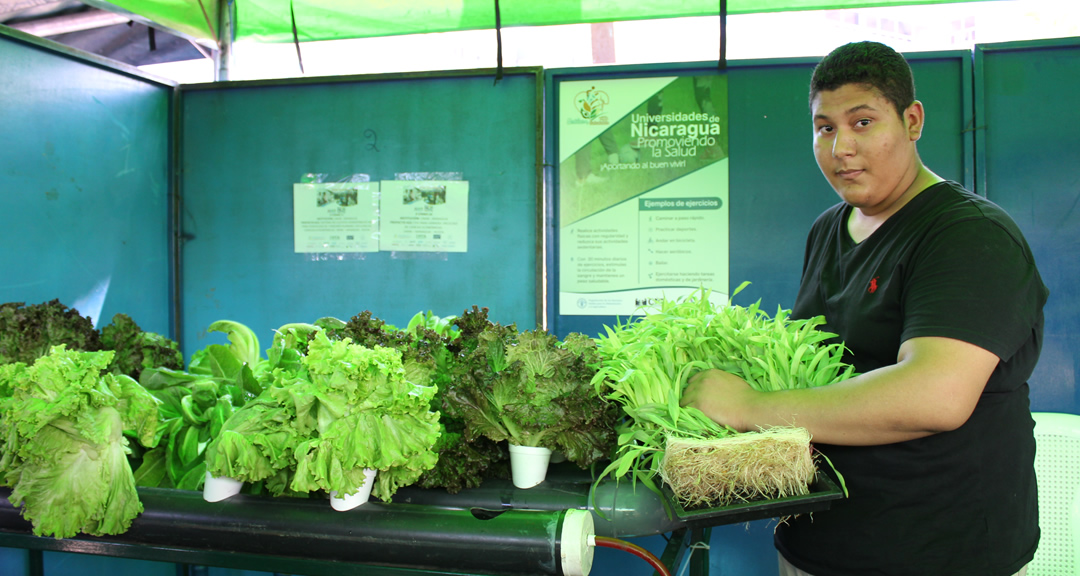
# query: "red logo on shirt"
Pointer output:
{"type": "Point", "coordinates": [873, 285]}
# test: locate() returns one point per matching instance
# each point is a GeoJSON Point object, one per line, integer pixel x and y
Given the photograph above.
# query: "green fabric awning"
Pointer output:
{"type": "Point", "coordinates": [270, 20]}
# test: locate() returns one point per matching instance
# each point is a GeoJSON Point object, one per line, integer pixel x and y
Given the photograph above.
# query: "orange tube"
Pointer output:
{"type": "Point", "coordinates": [635, 550]}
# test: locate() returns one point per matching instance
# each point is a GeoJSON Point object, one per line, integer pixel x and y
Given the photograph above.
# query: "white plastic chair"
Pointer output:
{"type": "Point", "coordinates": [1057, 467]}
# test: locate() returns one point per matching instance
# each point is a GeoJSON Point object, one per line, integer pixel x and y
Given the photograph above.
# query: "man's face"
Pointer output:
{"type": "Point", "coordinates": [864, 149]}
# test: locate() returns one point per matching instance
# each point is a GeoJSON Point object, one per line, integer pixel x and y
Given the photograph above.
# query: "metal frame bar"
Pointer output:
{"type": "Point", "coordinates": [85, 57]}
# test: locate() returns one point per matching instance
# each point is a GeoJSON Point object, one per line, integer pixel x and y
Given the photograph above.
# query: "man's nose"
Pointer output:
{"type": "Point", "coordinates": [844, 145]}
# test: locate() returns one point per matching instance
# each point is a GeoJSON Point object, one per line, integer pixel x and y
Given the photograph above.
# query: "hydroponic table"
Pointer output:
{"type": "Point", "coordinates": [492, 529]}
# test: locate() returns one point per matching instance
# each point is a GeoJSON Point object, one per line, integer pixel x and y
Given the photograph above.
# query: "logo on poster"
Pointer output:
{"type": "Point", "coordinates": [590, 104]}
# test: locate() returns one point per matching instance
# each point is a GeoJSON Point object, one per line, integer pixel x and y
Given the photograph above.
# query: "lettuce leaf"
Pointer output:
{"type": "Point", "coordinates": [332, 408]}
{"type": "Point", "coordinates": [64, 448]}
{"type": "Point", "coordinates": [530, 389]}
{"type": "Point", "coordinates": [367, 414]}
{"type": "Point", "coordinates": [256, 442]}
{"type": "Point", "coordinates": [136, 350]}
{"type": "Point", "coordinates": [429, 346]}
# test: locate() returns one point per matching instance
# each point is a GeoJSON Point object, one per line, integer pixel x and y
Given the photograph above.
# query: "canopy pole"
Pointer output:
{"type": "Point", "coordinates": [223, 59]}
{"type": "Point", "coordinates": [498, 44]}
{"type": "Point", "coordinates": [722, 64]}
{"type": "Point", "coordinates": [296, 36]}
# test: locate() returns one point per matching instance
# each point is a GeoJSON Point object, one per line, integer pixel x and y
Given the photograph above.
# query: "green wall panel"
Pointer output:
{"type": "Point", "coordinates": [244, 146]}
{"type": "Point", "coordinates": [84, 185]}
{"type": "Point", "coordinates": [1031, 145]}
{"type": "Point", "coordinates": [777, 189]}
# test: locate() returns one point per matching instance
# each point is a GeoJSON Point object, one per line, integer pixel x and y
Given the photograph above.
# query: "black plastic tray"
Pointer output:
{"type": "Point", "coordinates": [823, 491]}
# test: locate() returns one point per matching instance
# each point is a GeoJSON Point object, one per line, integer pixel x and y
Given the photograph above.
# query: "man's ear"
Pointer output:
{"type": "Point", "coordinates": [914, 119]}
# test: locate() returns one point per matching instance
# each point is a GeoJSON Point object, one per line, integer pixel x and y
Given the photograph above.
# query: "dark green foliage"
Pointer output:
{"type": "Point", "coordinates": [29, 332]}
{"type": "Point", "coordinates": [137, 350]}
{"type": "Point", "coordinates": [529, 389]}
{"type": "Point", "coordinates": [464, 464]}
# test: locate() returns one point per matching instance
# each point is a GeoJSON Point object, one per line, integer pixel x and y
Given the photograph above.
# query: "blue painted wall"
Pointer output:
{"type": "Point", "coordinates": [1030, 159]}
{"type": "Point", "coordinates": [84, 185]}
{"type": "Point", "coordinates": [244, 147]}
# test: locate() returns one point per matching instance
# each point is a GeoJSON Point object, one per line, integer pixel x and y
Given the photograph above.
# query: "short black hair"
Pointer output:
{"type": "Point", "coordinates": [870, 64]}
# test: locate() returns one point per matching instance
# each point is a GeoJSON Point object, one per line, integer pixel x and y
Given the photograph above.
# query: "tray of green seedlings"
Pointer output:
{"type": "Point", "coordinates": [819, 495]}
{"type": "Point", "coordinates": [702, 465]}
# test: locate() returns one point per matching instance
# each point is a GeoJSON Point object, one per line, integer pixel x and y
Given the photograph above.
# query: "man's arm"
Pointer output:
{"type": "Point", "coordinates": [933, 387]}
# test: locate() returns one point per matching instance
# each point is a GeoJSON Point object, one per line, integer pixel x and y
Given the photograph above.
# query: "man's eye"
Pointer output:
{"type": "Point", "coordinates": [824, 129]}
{"type": "Point", "coordinates": [863, 123]}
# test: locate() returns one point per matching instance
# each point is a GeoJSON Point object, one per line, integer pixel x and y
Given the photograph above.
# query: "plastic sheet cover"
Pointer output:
{"type": "Point", "coordinates": [270, 20]}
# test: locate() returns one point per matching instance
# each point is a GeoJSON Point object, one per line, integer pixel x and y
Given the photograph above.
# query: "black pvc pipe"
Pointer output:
{"type": "Point", "coordinates": [394, 535]}
{"type": "Point", "coordinates": [620, 510]}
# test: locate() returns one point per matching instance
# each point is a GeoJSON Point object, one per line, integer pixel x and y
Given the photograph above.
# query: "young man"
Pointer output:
{"type": "Point", "coordinates": [935, 293]}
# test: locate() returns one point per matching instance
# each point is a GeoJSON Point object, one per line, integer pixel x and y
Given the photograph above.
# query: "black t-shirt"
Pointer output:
{"type": "Point", "coordinates": [949, 264]}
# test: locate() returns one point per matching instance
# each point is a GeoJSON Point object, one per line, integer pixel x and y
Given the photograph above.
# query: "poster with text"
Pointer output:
{"type": "Point", "coordinates": [424, 216]}
{"type": "Point", "coordinates": [335, 217]}
{"type": "Point", "coordinates": [643, 192]}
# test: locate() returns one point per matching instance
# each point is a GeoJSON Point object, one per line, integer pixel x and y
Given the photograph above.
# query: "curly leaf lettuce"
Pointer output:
{"type": "Point", "coordinates": [28, 332]}
{"type": "Point", "coordinates": [256, 442]}
{"type": "Point", "coordinates": [368, 415]}
{"type": "Point", "coordinates": [332, 409]}
{"type": "Point", "coordinates": [64, 448]}
{"type": "Point", "coordinates": [70, 484]}
{"type": "Point", "coordinates": [428, 347]}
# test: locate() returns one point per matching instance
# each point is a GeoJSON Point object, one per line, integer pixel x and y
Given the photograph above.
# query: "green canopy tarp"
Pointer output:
{"type": "Point", "coordinates": [272, 21]}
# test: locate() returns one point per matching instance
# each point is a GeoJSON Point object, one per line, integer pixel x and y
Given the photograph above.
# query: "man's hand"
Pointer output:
{"type": "Point", "coordinates": [722, 396]}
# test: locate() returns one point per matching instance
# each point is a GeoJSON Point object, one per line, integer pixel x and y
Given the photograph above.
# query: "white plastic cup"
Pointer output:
{"type": "Point", "coordinates": [528, 465]}
{"type": "Point", "coordinates": [218, 489]}
{"type": "Point", "coordinates": [348, 502]}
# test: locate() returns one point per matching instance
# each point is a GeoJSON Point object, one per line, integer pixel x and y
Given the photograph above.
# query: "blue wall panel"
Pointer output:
{"type": "Point", "coordinates": [243, 148]}
{"type": "Point", "coordinates": [84, 205]}
{"type": "Point", "coordinates": [1032, 147]}
{"type": "Point", "coordinates": [58, 563]}
{"type": "Point", "coordinates": [84, 186]}
{"type": "Point", "coordinates": [777, 189]}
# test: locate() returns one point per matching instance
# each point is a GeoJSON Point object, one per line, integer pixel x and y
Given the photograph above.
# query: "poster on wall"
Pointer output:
{"type": "Point", "coordinates": [335, 217]}
{"type": "Point", "coordinates": [424, 216]}
{"type": "Point", "coordinates": [643, 192]}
